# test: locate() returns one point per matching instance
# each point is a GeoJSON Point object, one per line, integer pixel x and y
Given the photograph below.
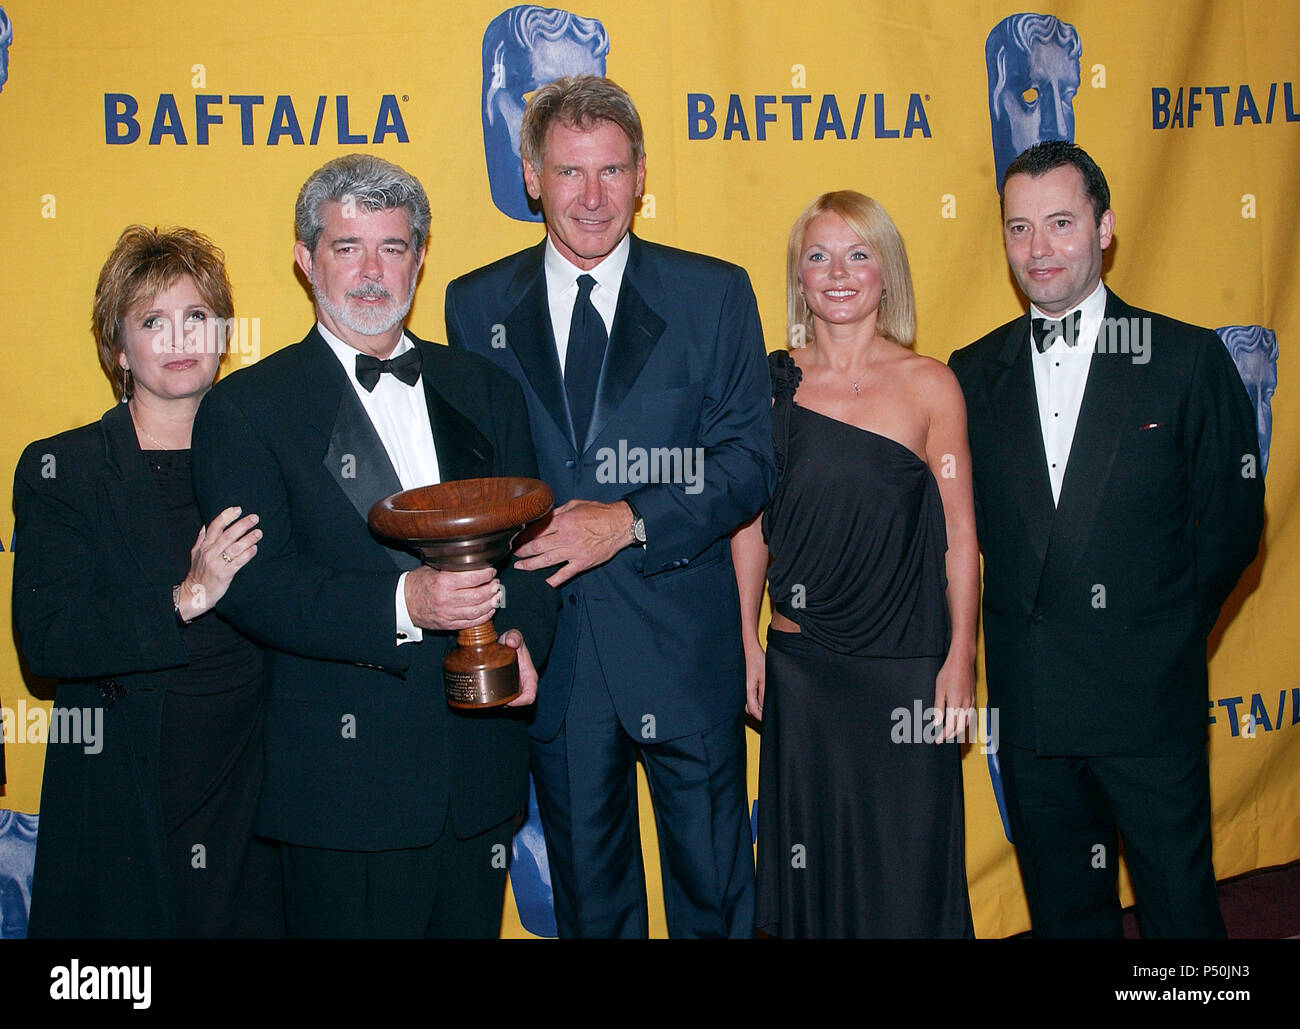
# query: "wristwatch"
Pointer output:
{"type": "Point", "coordinates": [638, 523]}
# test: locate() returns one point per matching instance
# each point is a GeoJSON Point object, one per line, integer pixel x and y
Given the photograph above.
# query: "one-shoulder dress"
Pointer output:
{"type": "Point", "coordinates": [860, 813]}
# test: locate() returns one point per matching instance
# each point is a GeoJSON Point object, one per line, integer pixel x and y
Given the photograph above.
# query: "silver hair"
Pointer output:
{"type": "Point", "coordinates": [371, 183]}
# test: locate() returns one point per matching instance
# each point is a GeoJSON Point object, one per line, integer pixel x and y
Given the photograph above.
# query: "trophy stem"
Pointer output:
{"type": "Point", "coordinates": [477, 635]}
{"type": "Point", "coordinates": [480, 672]}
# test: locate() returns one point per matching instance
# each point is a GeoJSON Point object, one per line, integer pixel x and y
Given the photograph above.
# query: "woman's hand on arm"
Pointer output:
{"type": "Point", "coordinates": [220, 550]}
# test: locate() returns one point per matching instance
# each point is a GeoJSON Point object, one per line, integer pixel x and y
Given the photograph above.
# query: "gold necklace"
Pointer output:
{"type": "Point", "coordinates": [141, 428]}
{"type": "Point", "coordinates": [852, 382]}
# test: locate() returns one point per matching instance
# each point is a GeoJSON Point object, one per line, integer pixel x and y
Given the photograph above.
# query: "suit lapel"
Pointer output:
{"type": "Point", "coordinates": [463, 451]}
{"type": "Point", "coordinates": [1114, 382]}
{"type": "Point", "coordinates": [355, 457]}
{"type": "Point", "coordinates": [136, 504]}
{"type": "Point", "coordinates": [529, 334]}
{"type": "Point", "coordinates": [1023, 459]}
{"type": "Point", "coordinates": [636, 331]}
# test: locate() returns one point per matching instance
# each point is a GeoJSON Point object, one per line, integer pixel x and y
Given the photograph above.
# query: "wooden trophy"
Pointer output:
{"type": "Point", "coordinates": [456, 526]}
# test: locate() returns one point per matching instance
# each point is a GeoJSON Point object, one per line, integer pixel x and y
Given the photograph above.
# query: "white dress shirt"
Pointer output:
{"type": "Point", "coordinates": [400, 416]}
{"type": "Point", "coordinates": [562, 290]}
{"type": "Point", "coordinates": [1060, 377]}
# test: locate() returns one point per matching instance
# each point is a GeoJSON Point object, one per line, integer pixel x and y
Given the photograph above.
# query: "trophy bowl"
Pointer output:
{"type": "Point", "coordinates": [456, 526]}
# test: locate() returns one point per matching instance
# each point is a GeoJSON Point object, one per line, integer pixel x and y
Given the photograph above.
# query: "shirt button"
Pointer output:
{"type": "Point", "coordinates": [573, 600]}
{"type": "Point", "coordinates": [401, 635]}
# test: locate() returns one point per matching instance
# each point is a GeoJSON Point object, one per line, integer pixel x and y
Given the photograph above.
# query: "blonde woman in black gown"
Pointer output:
{"type": "Point", "coordinates": [870, 554]}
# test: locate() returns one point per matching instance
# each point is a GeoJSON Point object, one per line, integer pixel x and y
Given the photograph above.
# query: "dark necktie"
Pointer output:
{"type": "Point", "coordinates": [1047, 331]}
{"type": "Point", "coordinates": [586, 353]}
{"type": "Point", "coordinates": [406, 367]}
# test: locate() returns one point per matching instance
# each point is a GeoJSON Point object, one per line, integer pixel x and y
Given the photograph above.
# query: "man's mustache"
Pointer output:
{"type": "Point", "coordinates": [370, 291]}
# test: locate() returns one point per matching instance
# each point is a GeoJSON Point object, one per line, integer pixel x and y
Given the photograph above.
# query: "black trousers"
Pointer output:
{"type": "Point", "coordinates": [1067, 815]}
{"type": "Point", "coordinates": [451, 889]}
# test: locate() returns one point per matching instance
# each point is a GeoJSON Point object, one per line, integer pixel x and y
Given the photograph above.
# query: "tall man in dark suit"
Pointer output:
{"type": "Point", "coordinates": [644, 372]}
{"type": "Point", "coordinates": [394, 810]}
{"type": "Point", "coordinates": [1118, 498]}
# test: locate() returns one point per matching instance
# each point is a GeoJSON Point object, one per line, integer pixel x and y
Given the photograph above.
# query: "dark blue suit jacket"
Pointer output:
{"type": "Point", "coordinates": [362, 751]}
{"type": "Point", "coordinates": [685, 369]}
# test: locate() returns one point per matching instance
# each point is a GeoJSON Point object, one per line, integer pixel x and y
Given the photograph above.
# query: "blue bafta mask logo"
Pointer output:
{"type": "Point", "coordinates": [524, 48]}
{"type": "Point", "coordinates": [1033, 66]}
{"type": "Point", "coordinates": [6, 37]}
{"type": "Point", "coordinates": [17, 857]}
{"type": "Point", "coordinates": [530, 873]}
{"type": "Point", "coordinates": [995, 777]}
{"type": "Point", "coordinates": [1254, 352]}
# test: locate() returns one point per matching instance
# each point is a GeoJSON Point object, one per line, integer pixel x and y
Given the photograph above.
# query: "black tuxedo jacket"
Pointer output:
{"type": "Point", "coordinates": [685, 371]}
{"type": "Point", "coordinates": [362, 751]}
{"type": "Point", "coordinates": [1096, 612]}
{"type": "Point", "coordinates": [93, 607]}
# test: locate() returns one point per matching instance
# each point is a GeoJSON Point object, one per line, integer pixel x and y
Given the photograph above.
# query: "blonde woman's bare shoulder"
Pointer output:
{"type": "Point", "coordinates": [931, 382]}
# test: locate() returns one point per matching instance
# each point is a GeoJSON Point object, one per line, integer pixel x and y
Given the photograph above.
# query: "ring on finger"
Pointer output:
{"type": "Point", "coordinates": [225, 557]}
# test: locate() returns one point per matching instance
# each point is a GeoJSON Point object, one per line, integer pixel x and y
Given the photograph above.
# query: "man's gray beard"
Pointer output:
{"type": "Point", "coordinates": [368, 322]}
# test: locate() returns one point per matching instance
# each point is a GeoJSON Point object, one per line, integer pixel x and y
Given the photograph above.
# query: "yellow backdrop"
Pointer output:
{"type": "Point", "coordinates": [1206, 223]}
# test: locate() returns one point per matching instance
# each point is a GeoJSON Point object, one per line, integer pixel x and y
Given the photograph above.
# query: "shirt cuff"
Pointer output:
{"type": "Point", "coordinates": [407, 630]}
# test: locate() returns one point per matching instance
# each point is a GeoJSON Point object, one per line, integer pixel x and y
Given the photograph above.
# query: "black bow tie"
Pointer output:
{"type": "Point", "coordinates": [1047, 331]}
{"type": "Point", "coordinates": [406, 367]}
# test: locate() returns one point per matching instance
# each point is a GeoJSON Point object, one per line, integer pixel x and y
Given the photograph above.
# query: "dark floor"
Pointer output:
{"type": "Point", "coordinates": [1260, 905]}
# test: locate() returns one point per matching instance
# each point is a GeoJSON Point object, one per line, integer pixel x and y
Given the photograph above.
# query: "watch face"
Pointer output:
{"type": "Point", "coordinates": [638, 530]}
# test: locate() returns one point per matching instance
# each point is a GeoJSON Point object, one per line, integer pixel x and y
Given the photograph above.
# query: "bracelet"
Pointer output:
{"type": "Point", "coordinates": [176, 606]}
